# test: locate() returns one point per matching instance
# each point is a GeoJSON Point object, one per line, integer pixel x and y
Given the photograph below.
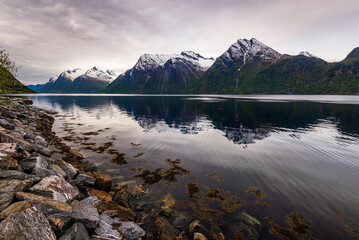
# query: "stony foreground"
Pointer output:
{"type": "Point", "coordinates": [49, 191]}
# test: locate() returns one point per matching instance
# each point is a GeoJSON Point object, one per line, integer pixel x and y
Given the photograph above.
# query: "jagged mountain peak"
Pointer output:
{"type": "Point", "coordinates": [244, 49]}
{"type": "Point", "coordinates": [150, 61]}
{"type": "Point", "coordinates": [99, 74]}
{"type": "Point", "coordinates": [307, 54]}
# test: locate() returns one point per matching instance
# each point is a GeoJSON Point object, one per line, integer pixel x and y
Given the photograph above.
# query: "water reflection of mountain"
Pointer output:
{"type": "Point", "coordinates": [241, 121]}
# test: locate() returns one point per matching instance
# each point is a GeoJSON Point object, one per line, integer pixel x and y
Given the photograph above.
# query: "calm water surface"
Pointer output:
{"type": "Point", "coordinates": [301, 151]}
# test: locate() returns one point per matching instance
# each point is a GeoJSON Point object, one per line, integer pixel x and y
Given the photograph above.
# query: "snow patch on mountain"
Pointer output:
{"type": "Point", "coordinates": [107, 76]}
{"type": "Point", "coordinates": [249, 49]}
{"type": "Point", "coordinates": [307, 54]}
{"type": "Point", "coordinates": [151, 61]}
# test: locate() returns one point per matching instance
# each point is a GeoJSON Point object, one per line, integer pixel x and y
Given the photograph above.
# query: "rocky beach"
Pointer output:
{"type": "Point", "coordinates": [50, 191]}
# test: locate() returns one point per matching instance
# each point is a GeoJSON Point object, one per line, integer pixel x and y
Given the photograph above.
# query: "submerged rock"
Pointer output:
{"type": "Point", "coordinates": [56, 188]}
{"type": "Point", "coordinates": [121, 212]}
{"type": "Point", "coordinates": [85, 213]}
{"type": "Point", "coordinates": [180, 222]}
{"type": "Point", "coordinates": [28, 224]}
{"type": "Point", "coordinates": [103, 181]}
{"type": "Point", "coordinates": [76, 232]}
{"type": "Point", "coordinates": [14, 208]}
{"type": "Point", "coordinates": [165, 230]}
{"type": "Point", "coordinates": [199, 236]}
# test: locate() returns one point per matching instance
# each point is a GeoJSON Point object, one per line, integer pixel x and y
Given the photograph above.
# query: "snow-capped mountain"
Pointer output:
{"type": "Point", "coordinates": [150, 61]}
{"type": "Point", "coordinates": [242, 57]}
{"type": "Point", "coordinates": [77, 81]}
{"type": "Point", "coordinates": [307, 54]}
{"type": "Point", "coordinates": [245, 50]}
{"type": "Point", "coordinates": [161, 73]}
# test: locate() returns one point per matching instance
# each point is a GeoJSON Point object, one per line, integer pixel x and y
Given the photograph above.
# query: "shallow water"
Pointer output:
{"type": "Point", "coordinates": [301, 151]}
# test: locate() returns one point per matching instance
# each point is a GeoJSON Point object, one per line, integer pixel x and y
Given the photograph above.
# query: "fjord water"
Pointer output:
{"type": "Point", "coordinates": [301, 151]}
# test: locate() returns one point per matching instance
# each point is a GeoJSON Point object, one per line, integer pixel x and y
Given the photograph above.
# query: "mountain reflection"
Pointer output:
{"type": "Point", "coordinates": [242, 122]}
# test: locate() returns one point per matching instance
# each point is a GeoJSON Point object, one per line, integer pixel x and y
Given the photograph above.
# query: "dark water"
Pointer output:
{"type": "Point", "coordinates": [301, 151]}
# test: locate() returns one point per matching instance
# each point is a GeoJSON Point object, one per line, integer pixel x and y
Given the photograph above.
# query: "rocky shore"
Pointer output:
{"type": "Point", "coordinates": [50, 191]}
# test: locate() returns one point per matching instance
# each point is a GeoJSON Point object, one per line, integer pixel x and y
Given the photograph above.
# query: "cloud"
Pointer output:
{"type": "Point", "coordinates": [48, 37]}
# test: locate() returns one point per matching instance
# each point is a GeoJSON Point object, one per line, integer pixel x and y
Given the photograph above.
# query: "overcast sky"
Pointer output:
{"type": "Point", "coordinates": [47, 37]}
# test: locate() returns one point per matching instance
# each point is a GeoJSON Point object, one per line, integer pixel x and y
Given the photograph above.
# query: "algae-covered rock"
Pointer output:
{"type": "Point", "coordinates": [103, 181]}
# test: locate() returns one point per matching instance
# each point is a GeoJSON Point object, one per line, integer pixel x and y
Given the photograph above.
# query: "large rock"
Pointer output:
{"type": "Point", "coordinates": [105, 228]}
{"type": "Point", "coordinates": [76, 232]}
{"type": "Point", "coordinates": [121, 212]}
{"type": "Point", "coordinates": [103, 181]}
{"type": "Point", "coordinates": [67, 168]}
{"type": "Point", "coordinates": [5, 124]}
{"type": "Point", "coordinates": [85, 180]}
{"type": "Point", "coordinates": [37, 148]}
{"type": "Point", "coordinates": [28, 164]}
{"type": "Point", "coordinates": [7, 162]}
{"type": "Point", "coordinates": [165, 230]}
{"type": "Point", "coordinates": [56, 188]}
{"type": "Point", "coordinates": [12, 174]}
{"type": "Point", "coordinates": [99, 194]}
{"type": "Point", "coordinates": [85, 213]}
{"type": "Point", "coordinates": [53, 209]}
{"type": "Point", "coordinates": [8, 147]}
{"type": "Point", "coordinates": [122, 198]}
{"type": "Point", "coordinates": [131, 231]}
{"type": "Point", "coordinates": [14, 208]}
{"type": "Point", "coordinates": [44, 172]}
{"type": "Point", "coordinates": [5, 199]}
{"type": "Point", "coordinates": [7, 138]}
{"type": "Point", "coordinates": [14, 185]}
{"type": "Point", "coordinates": [28, 224]}
{"type": "Point", "coordinates": [57, 169]}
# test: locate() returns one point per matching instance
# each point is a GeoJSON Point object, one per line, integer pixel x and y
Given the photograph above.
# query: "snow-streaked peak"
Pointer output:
{"type": "Point", "coordinates": [107, 76]}
{"type": "Point", "coordinates": [249, 49]}
{"type": "Point", "coordinates": [151, 61]}
{"type": "Point", "coordinates": [307, 54]}
{"type": "Point", "coordinates": [73, 74]}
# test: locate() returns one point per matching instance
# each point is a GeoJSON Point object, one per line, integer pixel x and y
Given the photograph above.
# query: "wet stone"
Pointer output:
{"type": "Point", "coordinates": [180, 222]}
{"type": "Point", "coordinates": [122, 213]}
{"type": "Point", "coordinates": [28, 224]}
{"type": "Point", "coordinates": [67, 168]}
{"type": "Point", "coordinates": [77, 232]}
{"type": "Point", "coordinates": [85, 213]}
{"type": "Point", "coordinates": [199, 236]}
{"type": "Point", "coordinates": [165, 230]}
{"type": "Point", "coordinates": [131, 231]}
{"type": "Point", "coordinates": [85, 180]}
{"type": "Point", "coordinates": [103, 181]}
{"type": "Point", "coordinates": [12, 174]}
{"type": "Point", "coordinates": [100, 194]}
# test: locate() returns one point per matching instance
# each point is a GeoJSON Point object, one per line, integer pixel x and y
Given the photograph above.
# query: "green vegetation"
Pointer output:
{"type": "Point", "coordinates": [288, 75]}
{"type": "Point", "coordinates": [8, 82]}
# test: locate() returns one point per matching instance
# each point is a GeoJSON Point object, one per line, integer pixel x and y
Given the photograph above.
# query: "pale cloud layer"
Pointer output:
{"type": "Point", "coordinates": [47, 37]}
